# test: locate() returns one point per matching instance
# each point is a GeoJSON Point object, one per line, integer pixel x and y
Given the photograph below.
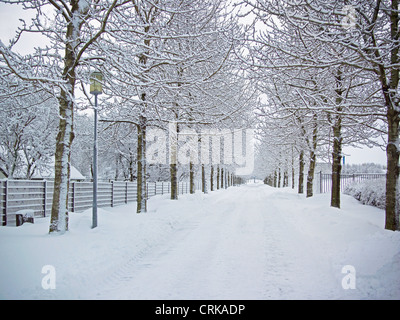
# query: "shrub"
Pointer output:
{"type": "Point", "coordinates": [370, 192]}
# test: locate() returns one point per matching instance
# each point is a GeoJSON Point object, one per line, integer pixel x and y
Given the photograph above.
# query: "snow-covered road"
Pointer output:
{"type": "Point", "coordinates": [220, 254]}
{"type": "Point", "coordinates": [248, 242]}
{"type": "Point", "coordinates": [242, 244]}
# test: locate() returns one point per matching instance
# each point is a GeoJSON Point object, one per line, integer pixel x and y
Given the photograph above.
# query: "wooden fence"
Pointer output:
{"type": "Point", "coordinates": [17, 195]}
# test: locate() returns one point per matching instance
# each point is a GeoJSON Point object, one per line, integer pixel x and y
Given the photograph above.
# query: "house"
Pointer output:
{"type": "Point", "coordinates": [47, 173]}
{"type": "Point", "coordinates": [44, 172]}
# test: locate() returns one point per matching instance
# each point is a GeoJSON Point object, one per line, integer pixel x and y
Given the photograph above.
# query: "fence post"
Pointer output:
{"type": "Point", "coordinates": [112, 194]}
{"type": "Point", "coordinates": [73, 197]}
{"type": "Point", "coordinates": [126, 192]}
{"type": "Point", "coordinates": [320, 182]}
{"type": "Point", "coordinates": [5, 202]}
{"type": "Point", "coordinates": [44, 197]}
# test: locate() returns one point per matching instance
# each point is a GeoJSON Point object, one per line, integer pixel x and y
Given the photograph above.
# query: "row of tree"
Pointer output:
{"type": "Point", "coordinates": [330, 72]}
{"type": "Point", "coordinates": [162, 62]}
{"type": "Point", "coordinates": [320, 74]}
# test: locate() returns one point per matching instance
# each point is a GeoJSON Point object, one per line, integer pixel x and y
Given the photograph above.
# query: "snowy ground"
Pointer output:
{"type": "Point", "coordinates": [248, 242]}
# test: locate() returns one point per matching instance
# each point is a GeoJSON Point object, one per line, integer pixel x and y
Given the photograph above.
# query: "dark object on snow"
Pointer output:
{"type": "Point", "coordinates": [24, 216]}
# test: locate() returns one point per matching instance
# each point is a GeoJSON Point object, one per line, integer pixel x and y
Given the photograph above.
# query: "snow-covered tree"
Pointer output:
{"type": "Point", "coordinates": [365, 35]}
{"type": "Point", "coordinates": [70, 29]}
{"type": "Point", "coordinates": [168, 62]}
{"type": "Point", "coordinates": [302, 44]}
{"type": "Point", "coordinates": [27, 128]}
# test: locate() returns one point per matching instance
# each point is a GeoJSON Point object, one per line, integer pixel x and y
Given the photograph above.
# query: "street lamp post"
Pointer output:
{"type": "Point", "coordinates": [95, 89]}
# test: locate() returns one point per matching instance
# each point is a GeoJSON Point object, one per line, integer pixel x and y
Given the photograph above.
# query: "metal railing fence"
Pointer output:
{"type": "Point", "coordinates": [37, 195]}
{"type": "Point", "coordinates": [325, 180]}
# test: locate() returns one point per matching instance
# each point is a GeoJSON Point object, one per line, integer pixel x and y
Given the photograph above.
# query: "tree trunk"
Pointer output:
{"type": "Point", "coordinates": [310, 175]}
{"type": "Point", "coordinates": [301, 172]}
{"type": "Point", "coordinates": [141, 167]}
{"type": "Point", "coordinates": [173, 169]}
{"type": "Point", "coordinates": [117, 162]}
{"type": "Point", "coordinates": [218, 173]}
{"type": "Point", "coordinates": [279, 177]}
{"type": "Point", "coordinates": [311, 169]}
{"type": "Point", "coordinates": [203, 179]}
{"type": "Point", "coordinates": [212, 178]}
{"type": "Point", "coordinates": [174, 181]}
{"type": "Point", "coordinates": [191, 178]}
{"type": "Point", "coordinates": [141, 143]}
{"type": "Point", "coordinates": [336, 166]}
{"type": "Point", "coordinates": [131, 163]}
{"type": "Point", "coordinates": [337, 145]}
{"type": "Point", "coordinates": [392, 173]}
{"type": "Point", "coordinates": [65, 136]}
{"type": "Point", "coordinates": [393, 117]}
{"type": "Point", "coordinates": [293, 170]}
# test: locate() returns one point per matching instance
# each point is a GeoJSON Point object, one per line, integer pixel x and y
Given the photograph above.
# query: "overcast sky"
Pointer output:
{"type": "Point", "coordinates": [9, 15]}
{"type": "Point", "coordinates": [9, 22]}
{"type": "Point", "coordinates": [364, 155]}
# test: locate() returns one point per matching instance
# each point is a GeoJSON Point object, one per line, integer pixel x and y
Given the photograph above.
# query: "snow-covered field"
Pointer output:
{"type": "Point", "coordinates": [248, 242]}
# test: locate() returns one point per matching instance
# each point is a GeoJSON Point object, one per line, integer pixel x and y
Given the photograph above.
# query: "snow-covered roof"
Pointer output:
{"type": "Point", "coordinates": [48, 173]}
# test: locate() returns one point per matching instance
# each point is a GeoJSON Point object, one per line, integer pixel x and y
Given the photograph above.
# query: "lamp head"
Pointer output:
{"type": "Point", "coordinates": [96, 86]}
